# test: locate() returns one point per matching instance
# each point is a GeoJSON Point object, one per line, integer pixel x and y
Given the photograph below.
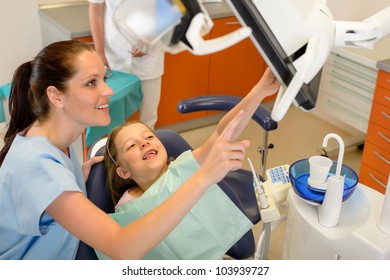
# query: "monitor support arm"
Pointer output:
{"type": "Point", "coordinates": [363, 34]}
{"type": "Point", "coordinates": [285, 96]}
{"type": "Point", "coordinates": [201, 24]}
{"type": "Point", "coordinates": [199, 46]}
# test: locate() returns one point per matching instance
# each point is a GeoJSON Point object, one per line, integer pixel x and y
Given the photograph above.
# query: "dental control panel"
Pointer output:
{"type": "Point", "coordinates": [275, 188]}
{"type": "Point", "coordinates": [278, 182]}
{"type": "Point", "coordinates": [278, 175]}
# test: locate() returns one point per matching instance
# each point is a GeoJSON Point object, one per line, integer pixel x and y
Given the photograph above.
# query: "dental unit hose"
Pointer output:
{"type": "Point", "coordinates": [258, 186]}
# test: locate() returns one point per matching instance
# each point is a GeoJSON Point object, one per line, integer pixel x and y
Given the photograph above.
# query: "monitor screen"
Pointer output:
{"type": "Point", "coordinates": [269, 47]}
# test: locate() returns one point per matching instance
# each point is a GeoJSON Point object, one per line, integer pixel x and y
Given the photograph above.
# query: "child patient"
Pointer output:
{"type": "Point", "coordinates": [141, 176]}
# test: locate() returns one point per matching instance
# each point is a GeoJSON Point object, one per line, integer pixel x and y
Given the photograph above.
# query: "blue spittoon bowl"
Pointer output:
{"type": "Point", "coordinates": [300, 171]}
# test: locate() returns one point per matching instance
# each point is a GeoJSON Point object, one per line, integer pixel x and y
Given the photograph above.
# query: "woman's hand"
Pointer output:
{"type": "Point", "coordinates": [225, 155]}
{"type": "Point", "coordinates": [86, 168]}
{"type": "Point", "coordinates": [137, 53]}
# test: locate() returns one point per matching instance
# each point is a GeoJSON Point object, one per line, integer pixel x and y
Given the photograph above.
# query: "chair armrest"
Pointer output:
{"type": "Point", "coordinates": [224, 103]}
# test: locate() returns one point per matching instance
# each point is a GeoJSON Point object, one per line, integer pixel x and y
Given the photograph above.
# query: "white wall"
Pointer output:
{"type": "Point", "coordinates": [356, 10]}
{"type": "Point", "coordinates": [20, 35]}
{"type": "Point", "coordinates": [46, 2]}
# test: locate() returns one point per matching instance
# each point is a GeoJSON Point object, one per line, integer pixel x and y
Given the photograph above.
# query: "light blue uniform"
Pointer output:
{"type": "Point", "coordinates": [33, 174]}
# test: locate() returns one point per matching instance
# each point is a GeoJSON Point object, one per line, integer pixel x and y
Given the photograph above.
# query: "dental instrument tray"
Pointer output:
{"type": "Point", "coordinates": [300, 171]}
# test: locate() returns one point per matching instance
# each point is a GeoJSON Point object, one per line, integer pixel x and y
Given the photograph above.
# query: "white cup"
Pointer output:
{"type": "Point", "coordinates": [319, 168]}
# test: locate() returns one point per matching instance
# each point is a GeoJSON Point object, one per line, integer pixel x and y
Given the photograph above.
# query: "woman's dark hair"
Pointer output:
{"type": "Point", "coordinates": [28, 102]}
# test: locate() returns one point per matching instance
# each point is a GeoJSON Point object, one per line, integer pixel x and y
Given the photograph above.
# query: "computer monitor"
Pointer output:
{"type": "Point", "coordinates": [269, 47]}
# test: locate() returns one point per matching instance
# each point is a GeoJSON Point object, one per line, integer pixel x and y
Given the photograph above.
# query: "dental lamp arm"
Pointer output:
{"type": "Point", "coordinates": [363, 34]}
{"type": "Point", "coordinates": [202, 47]}
{"type": "Point", "coordinates": [199, 26]}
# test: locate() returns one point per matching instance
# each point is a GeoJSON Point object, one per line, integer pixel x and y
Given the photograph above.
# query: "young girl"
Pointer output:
{"type": "Point", "coordinates": [138, 165]}
{"type": "Point", "coordinates": [43, 205]}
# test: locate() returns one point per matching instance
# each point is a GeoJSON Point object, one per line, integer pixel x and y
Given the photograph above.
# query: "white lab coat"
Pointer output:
{"type": "Point", "coordinates": [118, 49]}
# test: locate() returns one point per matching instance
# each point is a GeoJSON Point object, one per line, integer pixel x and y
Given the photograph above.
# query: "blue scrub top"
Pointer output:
{"type": "Point", "coordinates": [33, 174]}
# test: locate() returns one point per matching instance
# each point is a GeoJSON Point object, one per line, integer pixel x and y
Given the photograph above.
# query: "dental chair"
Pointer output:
{"type": "Point", "coordinates": [238, 185]}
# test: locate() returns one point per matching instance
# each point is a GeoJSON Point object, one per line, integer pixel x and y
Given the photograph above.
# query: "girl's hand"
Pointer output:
{"type": "Point", "coordinates": [268, 84]}
{"type": "Point", "coordinates": [86, 168]}
{"type": "Point", "coordinates": [225, 155]}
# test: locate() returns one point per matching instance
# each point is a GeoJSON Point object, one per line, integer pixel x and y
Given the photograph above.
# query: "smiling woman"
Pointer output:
{"type": "Point", "coordinates": [49, 108]}
{"type": "Point", "coordinates": [54, 101]}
